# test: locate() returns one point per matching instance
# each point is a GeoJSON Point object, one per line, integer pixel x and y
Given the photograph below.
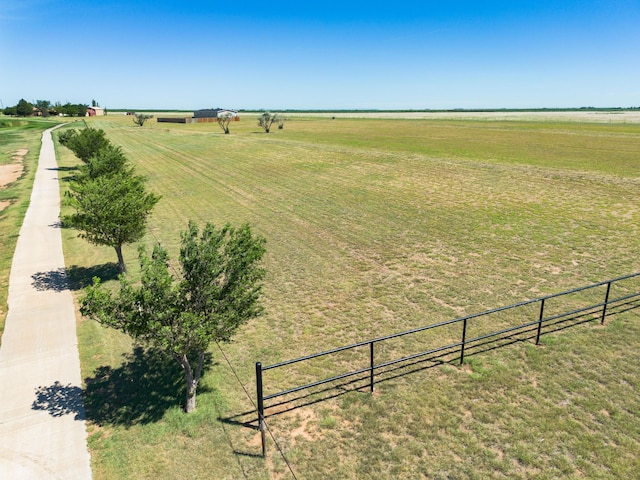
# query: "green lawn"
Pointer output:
{"type": "Point", "coordinates": [374, 227]}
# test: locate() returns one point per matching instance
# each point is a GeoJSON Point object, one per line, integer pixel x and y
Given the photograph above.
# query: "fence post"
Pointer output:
{"type": "Point", "coordinates": [606, 302]}
{"type": "Point", "coordinates": [464, 337]}
{"type": "Point", "coordinates": [540, 321]}
{"type": "Point", "coordinates": [260, 406]}
{"type": "Point", "coordinates": [371, 364]}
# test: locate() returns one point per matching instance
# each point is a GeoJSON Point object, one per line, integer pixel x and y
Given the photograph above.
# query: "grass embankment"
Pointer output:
{"type": "Point", "coordinates": [20, 141]}
{"type": "Point", "coordinates": [374, 227]}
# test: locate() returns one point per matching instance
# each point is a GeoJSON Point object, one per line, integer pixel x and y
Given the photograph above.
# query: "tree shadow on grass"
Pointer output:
{"type": "Point", "coordinates": [67, 178]}
{"type": "Point", "coordinates": [140, 391]}
{"type": "Point", "coordinates": [74, 277]}
{"type": "Point", "coordinates": [82, 277]}
{"type": "Point", "coordinates": [64, 169]}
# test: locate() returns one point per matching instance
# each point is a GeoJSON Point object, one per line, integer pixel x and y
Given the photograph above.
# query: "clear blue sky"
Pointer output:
{"type": "Point", "coordinates": [278, 54]}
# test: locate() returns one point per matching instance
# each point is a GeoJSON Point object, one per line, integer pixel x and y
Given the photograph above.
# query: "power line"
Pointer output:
{"type": "Point", "coordinates": [235, 374]}
{"type": "Point", "coordinates": [284, 457]}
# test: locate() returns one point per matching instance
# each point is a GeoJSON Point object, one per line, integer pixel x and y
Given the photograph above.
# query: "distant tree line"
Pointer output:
{"type": "Point", "coordinates": [45, 108]}
{"type": "Point", "coordinates": [110, 201]}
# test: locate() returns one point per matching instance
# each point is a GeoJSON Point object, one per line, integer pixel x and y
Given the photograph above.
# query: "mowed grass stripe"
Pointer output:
{"type": "Point", "coordinates": [341, 208]}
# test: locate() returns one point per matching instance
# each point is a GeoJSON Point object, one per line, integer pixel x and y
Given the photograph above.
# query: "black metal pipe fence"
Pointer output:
{"type": "Point", "coordinates": [597, 310]}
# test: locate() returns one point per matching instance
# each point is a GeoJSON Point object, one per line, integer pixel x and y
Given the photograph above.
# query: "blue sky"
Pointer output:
{"type": "Point", "coordinates": [279, 54]}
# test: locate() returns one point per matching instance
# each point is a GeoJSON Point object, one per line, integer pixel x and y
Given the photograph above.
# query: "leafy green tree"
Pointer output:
{"type": "Point", "coordinates": [73, 109]}
{"type": "Point", "coordinates": [56, 109]}
{"type": "Point", "coordinates": [69, 110]}
{"type": "Point", "coordinates": [84, 143]}
{"type": "Point", "coordinates": [140, 118]}
{"type": "Point", "coordinates": [108, 160]}
{"type": "Point", "coordinates": [24, 108]}
{"type": "Point", "coordinates": [267, 119]}
{"type": "Point", "coordinates": [44, 106]}
{"type": "Point", "coordinates": [218, 291]}
{"type": "Point", "coordinates": [110, 209]}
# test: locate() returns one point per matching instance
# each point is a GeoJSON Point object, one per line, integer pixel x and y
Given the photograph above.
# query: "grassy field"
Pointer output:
{"type": "Point", "coordinates": [19, 145]}
{"type": "Point", "coordinates": [375, 226]}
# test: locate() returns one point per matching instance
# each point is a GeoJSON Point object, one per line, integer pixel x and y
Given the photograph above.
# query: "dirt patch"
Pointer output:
{"type": "Point", "coordinates": [303, 430]}
{"type": "Point", "coordinates": [9, 173]}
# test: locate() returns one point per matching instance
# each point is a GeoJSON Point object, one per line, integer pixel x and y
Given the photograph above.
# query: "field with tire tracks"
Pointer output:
{"type": "Point", "coordinates": [376, 226]}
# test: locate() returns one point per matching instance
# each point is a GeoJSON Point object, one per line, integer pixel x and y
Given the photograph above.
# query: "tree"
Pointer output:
{"type": "Point", "coordinates": [218, 292]}
{"type": "Point", "coordinates": [110, 201]}
{"type": "Point", "coordinates": [81, 109]}
{"type": "Point", "coordinates": [71, 110]}
{"type": "Point", "coordinates": [107, 160]}
{"type": "Point", "coordinates": [68, 109]}
{"type": "Point", "coordinates": [224, 119]}
{"type": "Point", "coordinates": [110, 209]}
{"type": "Point", "coordinates": [24, 108]}
{"type": "Point", "coordinates": [44, 106]}
{"type": "Point", "coordinates": [140, 118]}
{"type": "Point", "coordinates": [266, 120]}
{"type": "Point", "coordinates": [84, 143]}
{"type": "Point", "coordinates": [56, 109]}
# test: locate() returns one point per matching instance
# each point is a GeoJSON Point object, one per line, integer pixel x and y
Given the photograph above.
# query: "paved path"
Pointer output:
{"type": "Point", "coordinates": [42, 428]}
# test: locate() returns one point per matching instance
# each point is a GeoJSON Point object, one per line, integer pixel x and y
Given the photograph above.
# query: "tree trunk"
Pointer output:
{"type": "Point", "coordinates": [191, 380]}
{"type": "Point", "coordinates": [190, 406]}
{"type": "Point", "coordinates": [121, 265]}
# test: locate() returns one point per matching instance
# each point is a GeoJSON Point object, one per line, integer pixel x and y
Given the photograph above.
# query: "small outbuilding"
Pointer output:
{"type": "Point", "coordinates": [214, 113]}
{"type": "Point", "coordinates": [95, 111]}
{"type": "Point", "coordinates": [203, 116]}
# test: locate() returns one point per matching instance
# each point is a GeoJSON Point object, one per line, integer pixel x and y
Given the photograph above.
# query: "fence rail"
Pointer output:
{"type": "Point", "coordinates": [624, 302]}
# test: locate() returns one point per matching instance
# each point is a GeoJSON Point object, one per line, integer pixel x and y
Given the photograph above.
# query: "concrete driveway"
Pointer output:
{"type": "Point", "coordinates": [42, 427]}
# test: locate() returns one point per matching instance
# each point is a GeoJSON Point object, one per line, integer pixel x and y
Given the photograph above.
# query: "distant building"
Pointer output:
{"type": "Point", "coordinates": [202, 116]}
{"type": "Point", "coordinates": [94, 111]}
{"type": "Point", "coordinates": [213, 112]}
